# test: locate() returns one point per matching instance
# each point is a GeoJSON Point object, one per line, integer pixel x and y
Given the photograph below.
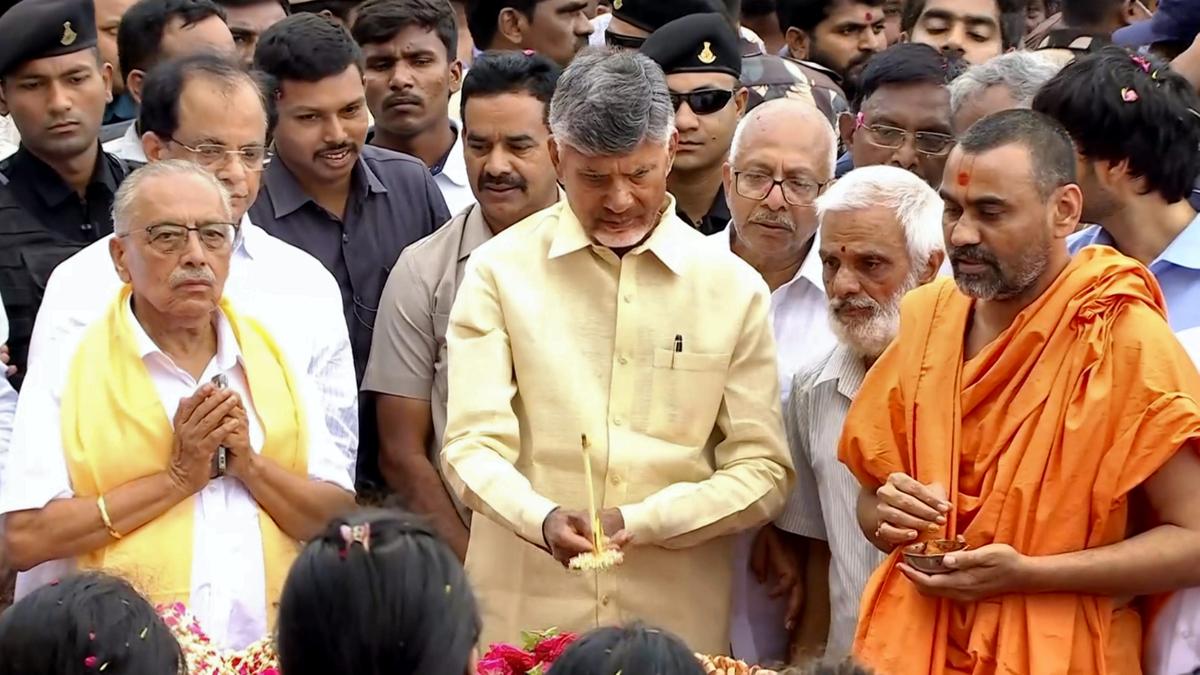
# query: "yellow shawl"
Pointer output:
{"type": "Point", "coordinates": [115, 430]}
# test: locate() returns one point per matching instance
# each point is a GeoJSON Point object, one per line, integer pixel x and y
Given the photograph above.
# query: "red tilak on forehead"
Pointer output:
{"type": "Point", "coordinates": [870, 16]}
{"type": "Point", "coordinates": [964, 178]}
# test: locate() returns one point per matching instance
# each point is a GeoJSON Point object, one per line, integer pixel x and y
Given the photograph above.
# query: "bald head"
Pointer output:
{"type": "Point", "coordinates": [791, 124]}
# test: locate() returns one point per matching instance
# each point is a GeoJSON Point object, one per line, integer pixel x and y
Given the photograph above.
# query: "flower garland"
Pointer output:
{"type": "Point", "coordinates": [539, 651]}
{"type": "Point", "coordinates": [204, 658]}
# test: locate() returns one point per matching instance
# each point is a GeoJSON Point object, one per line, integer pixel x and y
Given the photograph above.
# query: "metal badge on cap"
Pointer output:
{"type": "Point", "coordinates": [69, 36]}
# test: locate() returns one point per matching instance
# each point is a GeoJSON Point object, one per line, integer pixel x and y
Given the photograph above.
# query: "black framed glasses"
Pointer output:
{"type": "Point", "coordinates": [618, 41]}
{"type": "Point", "coordinates": [929, 143]}
{"type": "Point", "coordinates": [212, 155]}
{"type": "Point", "coordinates": [169, 238]}
{"type": "Point", "coordinates": [796, 191]}
{"type": "Point", "coordinates": [703, 101]}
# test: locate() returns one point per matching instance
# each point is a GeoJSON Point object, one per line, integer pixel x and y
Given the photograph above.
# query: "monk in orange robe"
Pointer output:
{"type": "Point", "coordinates": [1039, 408]}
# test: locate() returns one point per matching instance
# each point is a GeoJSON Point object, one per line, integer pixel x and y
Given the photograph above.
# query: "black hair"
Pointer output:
{"type": "Point", "coordinates": [307, 48]}
{"type": "Point", "coordinates": [505, 72]}
{"type": "Point", "coordinates": [165, 84]}
{"type": "Point", "coordinates": [758, 8]}
{"type": "Point", "coordinates": [1088, 13]}
{"type": "Point", "coordinates": [380, 20]}
{"type": "Point", "coordinates": [1012, 20]}
{"type": "Point", "coordinates": [633, 650]}
{"type": "Point", "coordinates": [342, 9]}
{"type": "Point", "coordinates": [1158, 132]}
{"type": "Point", "coordinates": [287, 6]}
{"type": "Point", "coordinates": [1051, 153]}
{"type": "Point", "coordinates": [139, 37]}
{"type": "Point", "coordinates": [906, 63]}
{"type": "Point", "coordinates": [83, 625]}
{"type": "Point", "coordinates": [483, 18]}
{"type": "Point", "coordinates": [398, 605]}
{"type": "Point", "coordinates": [808, 14]}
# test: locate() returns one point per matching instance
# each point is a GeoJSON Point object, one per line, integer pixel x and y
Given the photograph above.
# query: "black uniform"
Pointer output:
{"type": "Point", "coordinates": [700, 43]}
{"type": "Point", "coordinates": [43, 220]}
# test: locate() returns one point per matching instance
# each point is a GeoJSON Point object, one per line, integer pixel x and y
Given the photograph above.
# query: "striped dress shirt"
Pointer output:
{"type": "Point", "coordinates": [822, 505]}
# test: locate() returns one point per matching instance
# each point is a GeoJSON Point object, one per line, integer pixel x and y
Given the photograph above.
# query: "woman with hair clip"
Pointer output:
{"type": "Point", "coordinates": [86, 625]}
{"type": "Point", "coordinates": [377, 594]}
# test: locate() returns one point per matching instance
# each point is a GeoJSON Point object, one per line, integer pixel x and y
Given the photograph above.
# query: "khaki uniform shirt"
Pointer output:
{"type": "Point", "coordinates": [666, 360]}
{"type": "Point", "coordinates": [408, 354]}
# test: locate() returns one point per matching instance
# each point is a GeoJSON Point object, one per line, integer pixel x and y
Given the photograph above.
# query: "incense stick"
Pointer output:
{"type": "Point", "coordinates": [597, 535]}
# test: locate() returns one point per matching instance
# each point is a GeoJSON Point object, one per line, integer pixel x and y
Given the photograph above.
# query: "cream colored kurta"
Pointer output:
{"type": "Point", "coordinates": [552, 337]}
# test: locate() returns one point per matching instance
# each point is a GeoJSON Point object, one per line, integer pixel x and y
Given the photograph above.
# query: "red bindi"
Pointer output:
{"type": "Point", "coordinates": [870, 16]}
{"type": "Point", "coordinates": [964, 178]}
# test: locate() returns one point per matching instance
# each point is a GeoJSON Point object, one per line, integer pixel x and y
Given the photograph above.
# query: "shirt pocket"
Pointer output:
{"type": "Point", "coordinates": [686, 393]}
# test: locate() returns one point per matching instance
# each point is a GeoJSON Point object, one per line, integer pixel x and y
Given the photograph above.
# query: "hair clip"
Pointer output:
{"type": "Point", "coordinates": [1141, 61]}
{"type": "Point", "coordinates": [1128, 95]}
{"type": "Point", "coordinates": [358, 533]}
{"type": "Point", "coordinates": [90, 662]}
{"type": "Point", "coordinates": [528, 52]}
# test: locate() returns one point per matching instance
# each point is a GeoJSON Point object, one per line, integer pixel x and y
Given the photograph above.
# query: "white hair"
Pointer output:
{"type": "Point", "coordinates": [1022, 73]}
{"type": "Point", "coordinates": [125, 201]}
{"type": "Point", "coordinates": [917, 206]}
{"type": "Point", "coordinates": [800, 110]}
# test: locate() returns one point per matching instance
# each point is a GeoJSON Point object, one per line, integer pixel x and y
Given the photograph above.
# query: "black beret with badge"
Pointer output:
{"type": "Point", "coordinates": [650, 15]}
{"type": "Point", "coordinates": [37, 29]}
{"type": "Point", "coordinates": [700, 43]}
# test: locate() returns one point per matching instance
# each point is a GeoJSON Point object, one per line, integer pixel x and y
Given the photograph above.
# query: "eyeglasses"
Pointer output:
{"type": "Point", "coordinates": [619, 41]}
{"type": "Point", "coordinates": [168, 238]}
{"type": "Point", "coordinates": [703, 101]}
{"type": "Point", "coordinates": [796, 191]}
{"type": "Point", "coordinates": [927, 142]}
{"type": "Point", "coordinates": [212, 156]}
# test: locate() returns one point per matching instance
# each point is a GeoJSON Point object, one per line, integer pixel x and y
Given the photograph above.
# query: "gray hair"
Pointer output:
{"type": "Point", "coordinates": [124, 204]}
{"type": "Point", "coordinates": [1022, 73]}
{"type": "Point", "coordinates": [610, 102]}
{"type": "Point", "coordinates": [917, 206]}
{"type": "Point", "coordinates": [800, 110]}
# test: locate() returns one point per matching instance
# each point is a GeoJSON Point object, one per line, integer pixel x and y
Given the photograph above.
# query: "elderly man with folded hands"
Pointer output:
{"type": "Point", "coordinates": [173, 444]}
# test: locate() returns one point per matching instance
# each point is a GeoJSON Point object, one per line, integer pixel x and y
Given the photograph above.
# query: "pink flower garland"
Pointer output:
{"type": "Point", "coordinates": [204, 658]}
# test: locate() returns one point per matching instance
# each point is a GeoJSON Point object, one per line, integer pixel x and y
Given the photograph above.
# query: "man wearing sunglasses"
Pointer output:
{"type": "Point", "coordinates": [903, 116]}
{"type": "Point", "coordinates": [700, 57]}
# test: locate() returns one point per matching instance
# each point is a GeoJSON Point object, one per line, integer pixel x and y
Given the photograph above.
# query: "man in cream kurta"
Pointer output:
{"type": "Point", "coordinates": [553, 337]}
{"type": "Point", "coordinates": [607, 316]}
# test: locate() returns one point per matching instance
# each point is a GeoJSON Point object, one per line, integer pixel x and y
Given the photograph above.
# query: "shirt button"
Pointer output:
{"type": "Point", "coordinates": [622, 360]}
{"type": "Point", "coordinates": [605, 600]}
{"type": "Point", "coordinates": [628, 298]}
{"type": "Point", "coordinates": [345, 239]}
{"type": "Point", "coordinates": [618, 421]}
{"type": "Point", "coordinates": [616, 480]}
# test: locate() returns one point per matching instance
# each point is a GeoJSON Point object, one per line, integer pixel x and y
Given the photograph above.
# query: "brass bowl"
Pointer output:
{"type": "Point", "coordinates": [926, 556]}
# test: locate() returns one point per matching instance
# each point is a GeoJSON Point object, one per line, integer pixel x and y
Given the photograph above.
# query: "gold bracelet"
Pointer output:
{"type": "Point", "coordinates": [112, 531]}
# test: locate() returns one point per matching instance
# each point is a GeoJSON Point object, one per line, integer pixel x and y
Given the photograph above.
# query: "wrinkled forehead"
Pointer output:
{"type": "Point", "coordinates": [867, 230]}
{"type": "Point", "coordinates": [178, 199]}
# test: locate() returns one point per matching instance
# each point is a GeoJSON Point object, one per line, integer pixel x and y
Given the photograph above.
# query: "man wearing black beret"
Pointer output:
{"type": "Point", "coordinates": [701, 56]}
{"type": "Point", "coordinates": [634, 20]}
{"type": "Point", "coordinates": [55, 86]}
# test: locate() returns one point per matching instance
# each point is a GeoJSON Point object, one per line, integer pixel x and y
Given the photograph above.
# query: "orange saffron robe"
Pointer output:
{"type": "Point", "coordinates": [1039, 440]}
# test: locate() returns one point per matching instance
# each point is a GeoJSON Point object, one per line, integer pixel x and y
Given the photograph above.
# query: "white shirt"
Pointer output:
{"type": "Point", "coordinates": [128, 147]}
{"type": "Point", "coordinates": [452, 180]}
{"type": "Point", "coordinates": [1173, 645]}
{"type": "Point", "coordinates": [287, 290]}
{"type": "Point", "coordinates": [798, 314]}
{"type": "Point", "coordinates": [802, 334]}
{"type": "Point", "coordinates": [10, 138]}
{"type": "Point", "coordinates": [822, 504]}
{"type": "Point", "coordinates": [8, 396]}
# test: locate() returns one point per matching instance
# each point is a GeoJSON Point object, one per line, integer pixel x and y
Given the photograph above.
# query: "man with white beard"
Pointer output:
{"type": "Point", "coordinates": [881, 236]}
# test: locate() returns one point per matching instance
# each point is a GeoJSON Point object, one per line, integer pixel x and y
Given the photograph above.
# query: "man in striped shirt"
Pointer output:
{"type": "Point", "coordinates": [880, 237]}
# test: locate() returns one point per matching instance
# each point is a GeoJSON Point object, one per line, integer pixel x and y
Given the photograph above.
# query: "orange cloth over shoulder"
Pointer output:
{"type": "Point", "coordinates": [1039, 439]}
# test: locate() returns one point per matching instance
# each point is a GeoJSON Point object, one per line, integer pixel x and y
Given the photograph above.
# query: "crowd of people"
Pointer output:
{"type": "Point", "coordinates": [836, 336]}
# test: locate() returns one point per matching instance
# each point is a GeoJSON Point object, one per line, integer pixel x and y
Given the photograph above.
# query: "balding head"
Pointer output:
{"type": "Point", "coordinates": [783, 156]}
{"type": "Point", "coordinates": [793, 122]}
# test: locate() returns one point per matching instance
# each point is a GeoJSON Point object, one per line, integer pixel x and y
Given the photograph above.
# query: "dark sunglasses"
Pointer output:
{"type": "Point", "coordinates": [703, 101]}
{"type": "Point", "coordinates": [619, 41]}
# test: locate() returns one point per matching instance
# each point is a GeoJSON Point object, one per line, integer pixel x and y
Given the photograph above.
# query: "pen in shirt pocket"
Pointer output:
{"type": "Point", "coordinates": [678, 349]}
